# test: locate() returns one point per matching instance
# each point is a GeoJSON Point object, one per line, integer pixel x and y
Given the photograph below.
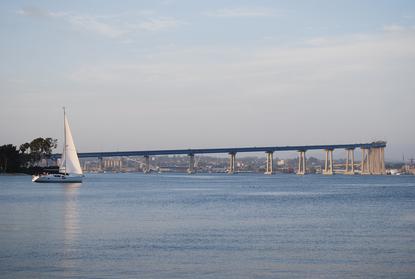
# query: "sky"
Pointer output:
{"type": "Point", "coordinates": [139, 75]}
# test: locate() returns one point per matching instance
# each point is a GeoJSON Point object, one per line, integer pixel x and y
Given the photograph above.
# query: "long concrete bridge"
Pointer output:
{"type": "Point", "coordinates": [372, 161]}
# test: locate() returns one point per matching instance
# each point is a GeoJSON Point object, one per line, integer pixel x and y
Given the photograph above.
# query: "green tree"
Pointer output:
{"type": "Point", "coordinates": [9, 158]}
{"type": "Point", "coordinates": [48, 145]}
{"type": "Point", "coordinates": [28, 154]}
{"type": "Point", "coordinates": [36, 150]}
{"type": "Point", "coordinates": [41, 148]}
{"type": "Point", "coordinates": [25, 157]}
{"type": "Point", "coordinates": [24, 147]}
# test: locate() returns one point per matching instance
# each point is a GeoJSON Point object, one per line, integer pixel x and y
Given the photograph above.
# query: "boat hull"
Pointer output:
{"type": "Point", "coordinates": [57, 178]}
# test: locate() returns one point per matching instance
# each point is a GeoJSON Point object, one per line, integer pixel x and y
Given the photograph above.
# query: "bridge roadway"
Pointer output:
{"type": "Point", "coordinates": [232, 150]}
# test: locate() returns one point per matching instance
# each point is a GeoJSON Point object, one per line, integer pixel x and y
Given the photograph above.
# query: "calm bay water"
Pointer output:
{"type": "Point", "coordinates": [208, 226]}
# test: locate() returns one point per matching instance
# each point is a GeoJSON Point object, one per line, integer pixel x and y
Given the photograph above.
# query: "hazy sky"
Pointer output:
{"type": "Point", "coordinates": [139, 75]}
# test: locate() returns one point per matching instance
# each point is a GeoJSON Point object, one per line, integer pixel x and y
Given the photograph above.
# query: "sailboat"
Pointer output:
{"type": "Point", "coordinates": [70, 170]}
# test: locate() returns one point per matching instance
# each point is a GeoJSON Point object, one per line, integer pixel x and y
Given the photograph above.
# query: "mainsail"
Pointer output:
{"type": "Point", "coordinates": [69, 161]}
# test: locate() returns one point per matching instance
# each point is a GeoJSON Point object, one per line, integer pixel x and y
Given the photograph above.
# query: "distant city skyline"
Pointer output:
{"type": "Point", "coordinates": [139, 75]}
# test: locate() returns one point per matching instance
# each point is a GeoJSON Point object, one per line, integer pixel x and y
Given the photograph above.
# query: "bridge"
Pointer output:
{"type": "Point", "coordinates": [372, 161]}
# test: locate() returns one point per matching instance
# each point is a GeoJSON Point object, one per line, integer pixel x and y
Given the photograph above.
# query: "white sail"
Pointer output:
{"type": "Point", "coordinates": [69, 162]}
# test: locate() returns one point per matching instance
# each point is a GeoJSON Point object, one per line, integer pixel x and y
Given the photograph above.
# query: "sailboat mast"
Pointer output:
{"type": "Point", "coordinates": [64, 136]}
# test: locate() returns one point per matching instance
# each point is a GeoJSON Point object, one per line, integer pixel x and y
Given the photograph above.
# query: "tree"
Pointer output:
{"type": "Point", "coordinates": [48, 145]}
{"type": "Point", "coordinates": [28, 154]}
{"type": "Point", "coordinates": [25, 157]}
{"type": "Point", "coordinates": [41, 148]}
{"type": "Point", "coordinates": [24, 147]}
{"type": "Point", "coordinates": [9, 158]}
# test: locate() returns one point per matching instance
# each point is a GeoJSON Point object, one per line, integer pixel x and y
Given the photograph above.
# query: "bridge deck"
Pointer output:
{"type": "Point", "coordinates": [226, 150]}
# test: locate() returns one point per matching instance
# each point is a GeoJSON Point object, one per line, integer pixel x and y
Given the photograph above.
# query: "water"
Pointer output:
{"type": "Point", "coordinates": [208, 226]}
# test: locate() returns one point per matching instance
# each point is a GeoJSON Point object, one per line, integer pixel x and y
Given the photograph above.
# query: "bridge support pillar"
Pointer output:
{"type": "Point", "coordinates": [100, 164]}
{"type": "Point", "coordinates": [301, 163]}
{"type": "Point", "coordinates": [377, 161]}
{"type": "Point", "coordinates": [365, 163]}
{"type": "Point", "coordinates": [349, 162]}
{"type": "Point", "coordinates": [232, 163]}
{"type": "Point", "coordinates": [138, 165]}
{"type": "Point", "coordinates": [328, 164]}
{"type": "Point", "coordinates": [269, 169]}
{"type": "Point", "coordinates": [147, 164]}
{"type": "Point", "coordinates": [191, 168]}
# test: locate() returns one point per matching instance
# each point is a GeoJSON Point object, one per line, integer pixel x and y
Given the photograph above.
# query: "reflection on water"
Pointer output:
{"type": "Point", "coordinates": [71, 224]}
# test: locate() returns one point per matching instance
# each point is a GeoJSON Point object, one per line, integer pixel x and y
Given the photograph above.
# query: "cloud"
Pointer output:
{"type": "Point", "coordinates": [110, 26]}
{"type": "Point", "coordinates": [394, 28]}
{"type": "Point", "coordinates": [157, 24]}
{"type": "Point", "coordinates": [34, 12]}
{"type": "Point", "coordinates": [340, 40]}
{"type": "Point", "coordinates": [92, 24]}
{"type": "Point", "coordinates": [241, 12]}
